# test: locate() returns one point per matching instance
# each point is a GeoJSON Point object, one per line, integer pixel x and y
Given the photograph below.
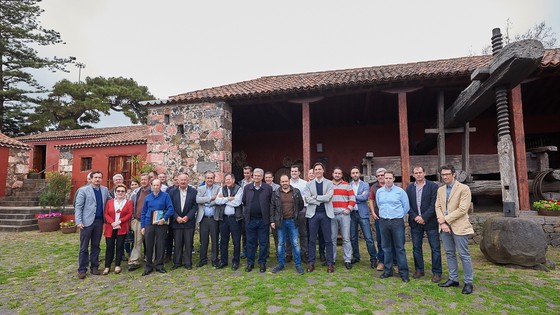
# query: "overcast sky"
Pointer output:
{"type": "Point", "coordinates": [174, 47]}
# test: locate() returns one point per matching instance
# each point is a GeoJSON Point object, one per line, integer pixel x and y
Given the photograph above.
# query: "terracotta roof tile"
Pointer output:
{"type": "Point", "coordinates": [79, 133]}
{"type": "Point", "coordinates": [6, 141]}
{"type": "Point", "coordinates": [316, 81]}
{"type": "Point", "coordinates": [137, 136]}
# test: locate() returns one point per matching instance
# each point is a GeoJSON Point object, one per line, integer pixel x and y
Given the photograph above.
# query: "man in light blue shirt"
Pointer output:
{"type": "Point", "coordinates": [393, 205]}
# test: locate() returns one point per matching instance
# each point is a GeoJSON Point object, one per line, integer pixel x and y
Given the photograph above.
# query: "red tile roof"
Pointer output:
{"type": "Point", "coordinates": [138, 135]}
{"type": "Point", "coordinates": [79, 133]}
{"type": "Point", "coordinates": [317, 81]}
{"type": "Point", "coordinates": [6, 141]}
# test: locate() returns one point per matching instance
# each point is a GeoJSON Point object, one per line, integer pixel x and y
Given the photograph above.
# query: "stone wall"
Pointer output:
{"type": "Point", "coordinates": [551, 226]}
{"type": "Point", "coordinates": [65, 160]}
{"type": "Point", "coordinates": [18, 167]}
{"type": "Point", "coordinates": [205, 143]}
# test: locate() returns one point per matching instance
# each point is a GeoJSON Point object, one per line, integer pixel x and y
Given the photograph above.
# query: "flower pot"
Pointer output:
{"type": "Point", "coordinates": [68, 229]}
{"type": "Point", "coordinates": [33, 176]}
{"type": "Point", "coordinates": [49, 224]}
{"type": "Point", "coordinates": [549, 213]}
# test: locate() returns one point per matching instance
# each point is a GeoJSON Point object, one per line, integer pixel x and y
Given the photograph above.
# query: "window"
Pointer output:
{"type": "Point", "coordinates": [166, 119]}
{"type": "Point", "coordinates": [86, 164]}
{"type": "Point", "coordinates": [180, 129]}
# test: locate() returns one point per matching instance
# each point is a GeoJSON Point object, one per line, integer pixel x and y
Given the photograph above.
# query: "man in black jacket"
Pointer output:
{"type": "Point", "coordinates": [229, 213]}
{"type": "Point", "coordinates": [422, 218]}
{"type": "Point", "coordinates": [285, 205]}
{"type": "Point", "coordinates": [256, 214]}
{"type": "Point", "coordinates": [183, 224]}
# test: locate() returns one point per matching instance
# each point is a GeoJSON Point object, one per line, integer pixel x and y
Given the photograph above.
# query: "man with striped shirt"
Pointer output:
{"type": "Point", "coordinates": [343, 202]}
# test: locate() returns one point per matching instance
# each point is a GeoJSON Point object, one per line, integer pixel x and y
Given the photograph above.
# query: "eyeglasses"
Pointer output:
{"type": "Point", "coordinates": [380, 175]}
{"type": "Point", "coordinates": [121, 191]}
{"type": "Point", "coordinates": [446, 174]}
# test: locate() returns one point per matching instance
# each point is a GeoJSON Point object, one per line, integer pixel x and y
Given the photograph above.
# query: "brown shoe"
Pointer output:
{"type": "Point", "coordinates": [380, 267]}
{"type": "Point", "coordinates": [106, 271]}
{"type": "Point", "coordinates": [436, 278]}
{"type": "Point", "coordinates": [118, 269]}
{"type": "Point", "coordinates": [395, 269]}
{"type": "Point", "coordinates": [81, 275]}
{"type": "Point", "coordinates": [310, 267]}
{"type": "Point", "coordinates": [418, 274]}
{"type": "Point", "coordinates": [330, 268]}
{"type": "Point", "coordinates": [95, 271]}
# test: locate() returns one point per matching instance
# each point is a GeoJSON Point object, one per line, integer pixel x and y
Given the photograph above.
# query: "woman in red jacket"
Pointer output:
{"type": "Point", "coordinates": [118, 213]}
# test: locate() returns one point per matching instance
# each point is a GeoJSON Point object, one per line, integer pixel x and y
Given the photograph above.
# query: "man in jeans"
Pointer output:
{"type": "Point", "coordinates": [422, 219]}
{"type": "Point", "coordinates": [393, 205]}
{"type": "Point", "coordinates": [284, 208]}
{"type": "Point", "coordinates": [360, 217]}
{"type": "Point", "coordinates": [452, 205]}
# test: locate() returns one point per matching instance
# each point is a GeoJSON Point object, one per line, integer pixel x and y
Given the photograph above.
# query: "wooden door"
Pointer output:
{"type": "Point", "coordinates": [121, 165]}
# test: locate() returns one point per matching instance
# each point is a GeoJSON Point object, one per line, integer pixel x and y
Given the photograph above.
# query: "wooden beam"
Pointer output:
{"type": "Point", "coordinates": [441, 130]}
{"type": "Point", "coordinates": [449, 130]}
{"type": "Point", "coordinates": [403, 132]}
{"type": "Point", "coordinates": [509, 67]}
{"type": "Point", "coordinates": [519, 148]}
{"type": "Point", "coordinates": [400, 90]}
{"type": "Point", "coordinates": [306, 134]}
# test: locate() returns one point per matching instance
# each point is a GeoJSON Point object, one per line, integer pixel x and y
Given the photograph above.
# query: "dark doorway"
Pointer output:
{"type": "Point", "coordinates": [39, 157]}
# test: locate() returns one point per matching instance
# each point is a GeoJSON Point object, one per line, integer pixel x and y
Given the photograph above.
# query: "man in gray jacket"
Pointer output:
{"type": "Point", "coordinates": [88, 212]}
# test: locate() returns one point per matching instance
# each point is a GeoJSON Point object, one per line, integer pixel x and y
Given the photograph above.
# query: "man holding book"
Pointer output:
{"type": "Point", "coordinates": [156, 212]}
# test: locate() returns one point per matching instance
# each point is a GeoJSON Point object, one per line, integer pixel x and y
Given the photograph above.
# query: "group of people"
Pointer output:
{"type": "Point", "coordinates": [297, 212]}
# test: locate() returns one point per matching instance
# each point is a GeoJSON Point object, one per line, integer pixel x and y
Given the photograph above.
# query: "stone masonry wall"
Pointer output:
{"type": "Point", "coordinates": [205, 143]}
{"type": "Point", "coordinates": [18, 167]}
{"type": "Point", "coordinates": [65, 161]}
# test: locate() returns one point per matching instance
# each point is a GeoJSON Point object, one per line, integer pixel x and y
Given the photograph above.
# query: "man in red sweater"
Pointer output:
{"type": "Point", "coordinates": [343, 202]}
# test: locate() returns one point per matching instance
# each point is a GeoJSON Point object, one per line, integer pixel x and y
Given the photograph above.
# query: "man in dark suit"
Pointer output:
{"type": "Point", "coordinates": [183, 224]}
{"type": "Point", "coordinates": [88, 212]}
{"type": "Point", "coordinates": [422, 219]}
{"type": "Point", "coordinates": [256, 214]}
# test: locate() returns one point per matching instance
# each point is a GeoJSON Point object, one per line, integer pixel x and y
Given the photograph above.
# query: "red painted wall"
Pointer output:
{"type": "Point", "coordinates": [4, 155]}
{"type": "Point", "coordinates": [347, 146]}
{"type": "Point", "coordinates": [52, 155]}
{"type": "Point", "coordinates": [100, 161]}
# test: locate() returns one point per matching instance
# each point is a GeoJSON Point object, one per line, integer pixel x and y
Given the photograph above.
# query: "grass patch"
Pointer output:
{"type": "Point", "coordinates": [38, 275]}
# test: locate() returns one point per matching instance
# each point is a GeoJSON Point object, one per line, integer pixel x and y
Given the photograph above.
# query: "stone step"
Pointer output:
{"type": "Point", "coordinates": [19, 203]}
{"type": "Point", "coordinates": [16, 216]}
{"type": "Point", "coordinates": [17, 222]}
{"type": "Point", "coordinates": [19, 198]}
{"type": "Point", "coordinates": [12, 228]}
{"type": "Point", "coordinates": [25, 194]}
{"type": "Point", "coordinates": [33, 210]}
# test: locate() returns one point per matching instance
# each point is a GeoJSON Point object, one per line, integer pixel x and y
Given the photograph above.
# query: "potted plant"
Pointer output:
{"type": "Point", "coordinates": [54, 196]}
{"type": "Point", "coordinates": [547, 207]}
{"type": "Point", "coordinates": [33, 174]}
{"type": "Point", "coordinates": [68, 227]}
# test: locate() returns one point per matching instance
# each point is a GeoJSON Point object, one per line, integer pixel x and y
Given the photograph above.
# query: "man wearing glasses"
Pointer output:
{"type": "Point", "coordinates": [452, 206]}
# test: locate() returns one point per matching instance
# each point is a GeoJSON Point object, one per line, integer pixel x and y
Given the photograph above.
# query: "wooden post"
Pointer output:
{"type": "Point", "coordinates": [519, 148]}
{"type": "Point", "coordinates": [403, 132]}
{"type": "Point", "coordinates": [465, 159]}
{"type": "Point", "coordinates": [441, 130]}
{"type": "Point", "coordinates": [306, 133]}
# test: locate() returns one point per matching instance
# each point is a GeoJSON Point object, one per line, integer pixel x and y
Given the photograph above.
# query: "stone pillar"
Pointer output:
{"type": "Point", "coordinates": [65, 160]}
{"type": "Point", "coordinates": [191, 138]}
{"type": "Point", "coordinates": [18, 167]}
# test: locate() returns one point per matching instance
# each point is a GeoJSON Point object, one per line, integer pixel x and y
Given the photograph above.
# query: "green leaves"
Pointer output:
{"type": "Point", "coordinates": [73, 105]}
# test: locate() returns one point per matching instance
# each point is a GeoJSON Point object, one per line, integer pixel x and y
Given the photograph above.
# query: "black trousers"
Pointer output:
{"type": "Point", "coordinates": [230, 226]}
{"type": "Point", "coordinates": [155, 235]}
{"type": "Point", "coordinates": [183, 247]}
{"type": "Point", "coordinates": [209, 231]}
{"type": "Point", "coordinates": [117, 240]}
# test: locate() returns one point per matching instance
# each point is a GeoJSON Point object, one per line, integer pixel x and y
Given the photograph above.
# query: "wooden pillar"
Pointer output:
{"type": "Point", "coordinates": [306, 128]}
{"type": "Point", "coordinates": [403, 132]}
{"type": "Point", "coordinates": [441, 131]}
{"type": "Point", "coordinates": [465, 155]}
{"type": "Point", "coordinates": [519, 148]}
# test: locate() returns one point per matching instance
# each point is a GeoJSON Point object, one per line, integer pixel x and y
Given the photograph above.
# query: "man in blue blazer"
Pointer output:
{"type": "Point", "coordinates": [183, 224]}
{"type": "Point", "coordinates": [88, 213]}
{"type": "Point", "coordinates": [422, 219]}
{"type": "Point", "coordinates": [360, 217]}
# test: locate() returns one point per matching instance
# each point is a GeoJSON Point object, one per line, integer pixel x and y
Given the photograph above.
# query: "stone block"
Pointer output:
{"type": "Point", "coordinates": [516, 241]}
{"type": "Point", "coordinates": [202, 167]}
{"type": "Point", "coordinates": [548, 228]}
